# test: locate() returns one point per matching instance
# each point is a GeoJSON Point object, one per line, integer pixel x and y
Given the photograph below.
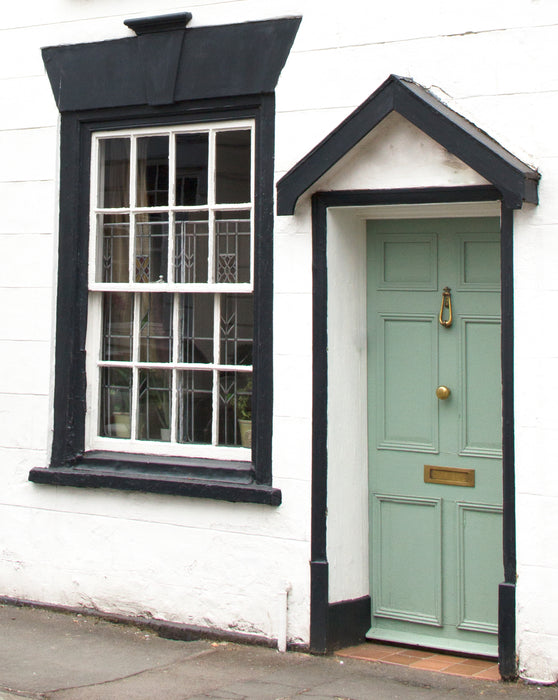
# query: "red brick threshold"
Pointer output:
{"type": "Point", "coordinates": [485, 669]}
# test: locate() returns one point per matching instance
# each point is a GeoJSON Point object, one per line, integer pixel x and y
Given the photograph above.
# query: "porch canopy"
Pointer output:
{"type": "Point", "coordinates": [516, 181]}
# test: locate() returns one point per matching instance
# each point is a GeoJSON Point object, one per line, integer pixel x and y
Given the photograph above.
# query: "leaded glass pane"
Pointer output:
{"type": "Point", "coordinates": [196, 328]}
{"type": "Point", "coordinates": [235, 408]}
{"type": "Point", "coordinates": [152, 184]}
{"type": "Point", "coordinates": [232, 243]}
{"type": "Point", "coordinates": [232, 167]}
{"type": "Point", "coordinates": [117, 326]}
{"type": "Point", "coordinates": [237, 325]}
{"type": "Point", "coordinates": [114, 173]}
{"type": "Point", "coordinates": [152, 233]}
{"type": "Point", "coordinates": [195, 412]}
{"type": "Point", "coordinates": [116, 399]}
{"type": "Point", "coordinates": [155, 327]}
{"type": "Point", "coordinates": [154, 404]}
{"type": "Point", "coordinates": [114, 230]}
{"type": "Point", "coordinates": [191, 232]}
{"type": "Point", "coordinates": [192, 151]}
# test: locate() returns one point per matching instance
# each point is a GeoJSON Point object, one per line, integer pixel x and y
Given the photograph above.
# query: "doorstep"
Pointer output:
{"type": "Point", "coordinates": [467, 667]}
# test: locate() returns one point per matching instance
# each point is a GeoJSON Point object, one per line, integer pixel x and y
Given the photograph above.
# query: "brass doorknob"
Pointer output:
{"type": "Point", "coordinates": [442, 392]}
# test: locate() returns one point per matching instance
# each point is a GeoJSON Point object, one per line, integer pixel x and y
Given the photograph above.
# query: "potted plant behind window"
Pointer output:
{"type": "Point", "coordinates": [244, 413]}
{"type": "Point", "coordinates": [120, 416]}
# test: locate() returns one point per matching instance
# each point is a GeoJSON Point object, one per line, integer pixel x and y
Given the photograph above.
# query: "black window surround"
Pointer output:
{"type": "Point", "coordinates": [166, 75]}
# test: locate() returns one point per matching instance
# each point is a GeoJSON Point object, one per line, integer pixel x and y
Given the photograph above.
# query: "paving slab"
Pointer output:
{"type": "Point", "coordinates": [45, 651]}
{"type": "Point", "coordinates": [48, 655]}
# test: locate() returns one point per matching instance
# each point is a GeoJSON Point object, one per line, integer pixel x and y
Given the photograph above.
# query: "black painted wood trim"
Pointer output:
{"type": "Point", "coordinates": [319, 606]}
{"type": "Point", "coordinates": [319, 587]}
{"type": "Point", "coordinates": [159, 23]}
{"type": "Point", "coordinates": [516, 181]}
{"type": "Point", "coordinates": [262, 401]}
{"type": "Point", "coordinates": [508, 443]}
{"type": "Point", "coordinates": [506, 593]}
{"type": "Point", "coordinates": [218, 61]}
{"type": "Point", "coordinates": [173, 484]}
{"type": "Point", "coordinates": [318, 566]}
{"type": "Point", "coordinates": [348, 622]}
{"type": "Point", "coordinates": [71, 321]}
{"type": "Point", "coordinates": [507, 663]}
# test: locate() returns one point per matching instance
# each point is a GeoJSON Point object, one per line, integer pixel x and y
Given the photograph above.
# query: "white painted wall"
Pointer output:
{"type": "Point", "coordinates": [164, 555]}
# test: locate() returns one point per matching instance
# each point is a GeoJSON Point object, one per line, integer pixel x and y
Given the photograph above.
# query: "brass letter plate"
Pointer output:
{"type": "Point", "coordinates": [450, 476]}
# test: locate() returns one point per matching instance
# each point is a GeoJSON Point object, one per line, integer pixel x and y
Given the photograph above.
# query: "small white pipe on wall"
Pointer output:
{"type": "Point", "coordinates": [283, 617]}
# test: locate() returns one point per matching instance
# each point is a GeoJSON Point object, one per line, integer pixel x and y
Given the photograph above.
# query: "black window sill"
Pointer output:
{"type": "Point", "coordinates": [199, 478]}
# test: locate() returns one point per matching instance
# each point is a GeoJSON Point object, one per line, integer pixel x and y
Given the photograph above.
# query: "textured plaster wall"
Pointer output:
{"type": "Point", "coordinates": [221, 564]}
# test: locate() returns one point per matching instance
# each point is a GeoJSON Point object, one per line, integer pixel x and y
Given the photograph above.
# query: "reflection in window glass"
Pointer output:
{"type": "Point", "coordinates": [232, 242]}
{"type": "Point", "coordinates": [191, 230]}
{"type": "Point", "coordinates": [117, 327]}
{"type": "Point", "coordinates": [114, 173]}
{"type": "Point", "coordinates": [235, 408]}
{"type": "Point", "coordinates": [155, 328]}
{"type": "Point", "coordinates": [154, 404]}
{"type": "Point", "coordinates": [152, 234]}
{"type": "Point", "coordinates": [195, 411]}
{"type": "Point", "coordinates": [152, 188]}
{"type": "Point", "coordinates": [236, 329]}
{"type": "Point", "coordinates": [115, 232]}
{"type": "Point", "coordinates": [192, 152]}
{"type": "Point", "coordinates": [196, 329]}
{"type": "Point", "coordinates": [232, 176]}
{"type": "Point", "coordinates": [116, 399]}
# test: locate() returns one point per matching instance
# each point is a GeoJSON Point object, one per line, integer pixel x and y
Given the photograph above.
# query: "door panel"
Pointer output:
{"type": "Point", "coordinates": [479, 535]}
{"type": "Point", "coordinates": [407, 261]}
{"type": "Point", "coordinates": [402, 524]}
{"type": "Point", "coordinates": [480, 390]}
{"type": "Point", "coordinates": [435, 548]}
{"type": "Point", "coordinates": [406, 419]}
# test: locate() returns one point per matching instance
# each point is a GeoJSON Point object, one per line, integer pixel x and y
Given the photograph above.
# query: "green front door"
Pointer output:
{"type": "Point", "coordinates": [435, 462]}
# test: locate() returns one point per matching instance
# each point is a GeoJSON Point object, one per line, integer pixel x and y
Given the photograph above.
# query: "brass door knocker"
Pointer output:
{"type": "Point", "coordinates": [446, 304]}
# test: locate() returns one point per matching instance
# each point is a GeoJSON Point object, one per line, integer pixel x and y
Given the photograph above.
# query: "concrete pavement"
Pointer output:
{"type": "Point", "coordinates": [45, 654]}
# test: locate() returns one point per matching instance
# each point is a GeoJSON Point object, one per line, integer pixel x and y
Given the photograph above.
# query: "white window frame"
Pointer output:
{"type": "Point", "coordinates": [96, 289]}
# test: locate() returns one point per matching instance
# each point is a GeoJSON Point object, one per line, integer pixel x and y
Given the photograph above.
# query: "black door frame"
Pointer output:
{"type": "Point", "coordinates": [342, 623]}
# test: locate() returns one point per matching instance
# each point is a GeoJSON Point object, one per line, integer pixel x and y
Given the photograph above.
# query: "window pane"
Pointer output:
{"type": "Point", "coordinates": [114, 173]}
{"type": "Point", "coordinates": [155, 328]}
{"type": "Point", "coordinates": [235, 408]}
{"type": "Point", "coordinates": [236, 329]}
{"type": "Point", "coordinates": [153, 171]}
{"type": "Point", "coordinates": [154, 404]}
{"type": "Point", "coordinates": [191, 232]}
{"type": "Point", "coordinates": [232, 168]}
{"type": "Point", "coordinates": [232, 241]}
{"type": "Point", "coordinates": [116, 393]}
{"type": "Point", "coordinates": [196, 328]}
{"type": "Point", "coordinates": [117, 326]}
{"type": "Point", "coordinates": [114, 231]}
{"type": "Point", "coordinates": [195, 400]}
{"type": "Point", "coordinates": [152, 233]}
{"type": "Point", "coordinates": [191, 169]}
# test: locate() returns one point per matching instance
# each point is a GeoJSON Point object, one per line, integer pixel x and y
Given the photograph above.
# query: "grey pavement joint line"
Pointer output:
{"type": "Point", "coordinates": [10, 693]}
{"type": "Point", "coordinates": [110, 681]}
